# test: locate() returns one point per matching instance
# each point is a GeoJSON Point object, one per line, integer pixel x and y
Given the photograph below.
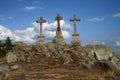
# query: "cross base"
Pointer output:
{"type": "Point", "coordinates": [75, 40]}
{"type": "Point", "coordinates": [58, 39]}
{"type": "Point", "coordinates": [40, 40]}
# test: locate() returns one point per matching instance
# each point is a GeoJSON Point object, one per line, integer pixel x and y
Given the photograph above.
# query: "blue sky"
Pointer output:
{"type": "Point", "coordinates": [100, 19]}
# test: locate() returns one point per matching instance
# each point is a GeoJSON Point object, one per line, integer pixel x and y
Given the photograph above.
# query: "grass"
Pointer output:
{"type": "Point", "coordinates": [52, 69]}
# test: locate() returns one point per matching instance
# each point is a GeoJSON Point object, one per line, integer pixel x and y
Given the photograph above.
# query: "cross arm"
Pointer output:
{"type": "Point", "coordinates": [72, 20]}
{"type": "Point", "coordinates": [44, 21]}
{"type": "Point", "coordinates": [78, 20]}
{"type": "Point", "coordinates": [37, 21]}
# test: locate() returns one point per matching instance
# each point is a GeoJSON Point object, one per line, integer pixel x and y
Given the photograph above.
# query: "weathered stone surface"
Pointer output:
{"type": "Point", "coordinates": [103, 52]}
{"type": "Point", "coordinates": [58, 51]}
{"type": "Point", "coordinates": [58, 39]}
{"type": "Point", "coordinates": [11, 57]}
{"type": "Point", "coordinates": [115, 63]}
{"type": "Point", "coordinates": [75, 40]}
{"type": "Point", "coordinates": [67, 54]}
{"type": "Point", "coordinates": [14, 67]}
{"type": "Point", "coordinates": [99, 52]}
{"type": "Point", "coordinates": [4, 69]}
{"type": "Point", "coordinates": [40, 40]}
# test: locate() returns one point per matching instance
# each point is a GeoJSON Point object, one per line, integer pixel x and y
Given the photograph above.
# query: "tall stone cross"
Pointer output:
{"type": "Point", "coordinates": [74, 20]}
{"type": "Point", "coordinates": [58, 18]}
{"type": "Point", "coordinates": [41, 21]}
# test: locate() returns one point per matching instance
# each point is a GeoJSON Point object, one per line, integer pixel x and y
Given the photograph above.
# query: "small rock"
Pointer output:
{"type": "Point", "coordinates": [14, 67]}
{"type": "Point", "coordinates": [4, 72]}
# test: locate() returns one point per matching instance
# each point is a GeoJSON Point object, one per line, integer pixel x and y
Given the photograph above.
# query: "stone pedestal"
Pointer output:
{"type": "Point", "coordinates": [59, 38]}
{"type": "Point", "coordinates": [40, 40]}
{"type": "Point", "coordinates": [75, 39]}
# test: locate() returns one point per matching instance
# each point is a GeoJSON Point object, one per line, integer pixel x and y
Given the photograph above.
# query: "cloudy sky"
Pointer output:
{"type": "Point", "coordinates": [100, 20]}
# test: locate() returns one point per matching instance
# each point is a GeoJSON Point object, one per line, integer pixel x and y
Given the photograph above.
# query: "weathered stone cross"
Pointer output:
{"type": "Point", "coordinates": [58, 18]}
{"type": "Point", "coordinates": [74, 20]}
{"type": "Point", "coordinates": [41, 21]}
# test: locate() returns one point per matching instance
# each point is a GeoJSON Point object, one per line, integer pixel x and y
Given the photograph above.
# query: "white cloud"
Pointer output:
{"type": "Point", "coordinates": [29, 8]}
{"type": "Point", "coordinates": [4, 32]}
{"type": "Point", "coordinates": [96, 19]}
{"type": "Point", "coordinates": [117, 15]}
{"type": "Point", "coordinates": [49, 29]}
{"type": "Point", "coordinates": [18, 35]}
{"type": "Point", "coordinates": [26, 35]}
{"type": "Point", "coordinates": [117, 43]}
{"type": "Point", "coordinates": [29, 34]}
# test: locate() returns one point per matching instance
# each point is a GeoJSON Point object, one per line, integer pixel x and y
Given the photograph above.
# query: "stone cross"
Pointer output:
{"type": "Point", "coordinates": [41, 21]}
{"type": "Point", "coordinates": [58, 18]}
{"type": "Point", "coordinates": [74, 20]}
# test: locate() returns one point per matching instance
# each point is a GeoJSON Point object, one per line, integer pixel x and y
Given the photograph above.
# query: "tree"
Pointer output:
{"type": "Point", "coordinates": [8, 43]}
{"type": "Point", "coordinates": [2, 49]}
{"type": "Point", "coordinates": [5, 46]}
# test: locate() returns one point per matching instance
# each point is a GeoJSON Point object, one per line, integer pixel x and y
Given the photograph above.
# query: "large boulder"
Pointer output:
{"type": "Point", "coordinates": [103, 52]}
{"type": "Point", "coordinates": [99, 52]}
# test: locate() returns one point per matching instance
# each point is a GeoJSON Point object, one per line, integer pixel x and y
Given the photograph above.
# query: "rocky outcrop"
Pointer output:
{"type": "Point", "coordinates": [86, 56]}
{"type": "Point", "coordinates": [26, 53]}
